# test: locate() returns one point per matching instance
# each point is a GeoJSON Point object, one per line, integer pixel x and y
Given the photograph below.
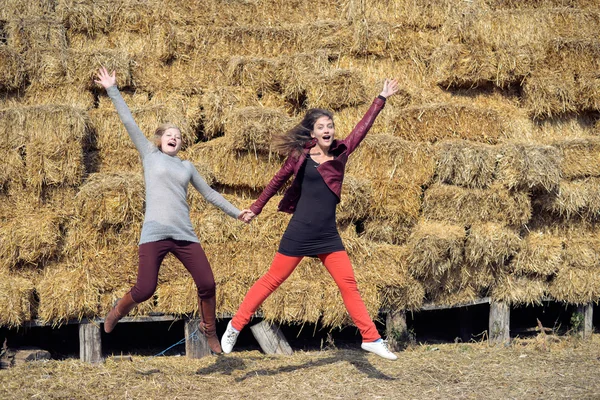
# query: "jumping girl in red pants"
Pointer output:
{"type": "Point", "coordinates": [317, 162]}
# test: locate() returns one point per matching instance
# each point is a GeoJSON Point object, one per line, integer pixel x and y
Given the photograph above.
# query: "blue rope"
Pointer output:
{"type": "Point", "coordinates": [193, 336]}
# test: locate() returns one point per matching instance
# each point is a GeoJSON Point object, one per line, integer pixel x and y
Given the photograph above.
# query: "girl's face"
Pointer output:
{"type": "Point", "coordinates": [324, 132]}
{"type": "Point", "coordinates": [170, 141]}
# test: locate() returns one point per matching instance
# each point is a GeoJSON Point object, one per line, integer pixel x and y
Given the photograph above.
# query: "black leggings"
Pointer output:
{"type": "Point", "coordinates": [190, 254]}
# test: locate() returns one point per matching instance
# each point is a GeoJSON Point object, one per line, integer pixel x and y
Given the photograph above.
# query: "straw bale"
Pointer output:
{"type": "Point", "coordinates": [56, 68]}
{"type": "Point", "coordinates": [396, 200]}
{"type": "Point", "coordinates": [454, 298]}
{"type": "Point", "coordinates": [294, 72]}
{"type": "Point", "coordinates": [188, 41]}
{"type": "Point", "coordinates": [252, 128]}
{"type": "Point", "coordinates": [540, 254]}
{"type": "Point", "coordinates": [563, 128]}
{"type": "Point", "coordinates": [491, 244]}
{"type": "Point", "coordinates": [66, 292]}
{"type": "Point", "coordinates": [256, 72]}
{"type": "Point", "coordinates": [416, 16]}
{"type": "Point", "coordinates": [12, 69]}
{"type": "Point", "coordinates": [111, 199]}
{"type": "Point", "coordinates": [11, 173]}
{"type": "Point", "coordinates": [236, 168]}
{"type": "Point", "coordinates": [580, 157]}
{"type": "Point", "coordinates": [503, 4]}
{"type": "Point", "coordinates": [467, 206]}
{"type": "Point", "coordinates": [390, 231]}
{"type": "Point", "coordinates": [574, 199]}
{"type": "Point", "coordinates": [582, 252]}
{"type": "Point", "coordinates": [186, 76]}
{"type": "Point", "coordinates": [519, 290]}
{"type": "Point", "coordinates": [435, 248]}
{"type": "Point", "coordinates": [178, 297]}
{"type": "Point", "coordinates": [409, 297]}
{"type": "Point", "coordinates": [47, 67]}
{"type": "Point", "coordinates": [473, 64]}
{"type": "Point", "coordinates": [182, 110]}
{"type": "Point", "coordinates": [243, 12]}
{"type": "Point", "coordinates": [336, 89]}
{"type": "Point", "coordinates": [101, 16]}
{"type": "Point", "coordinates": [433, 122]}
{"type": "Point", "coordinates": [218, 102]}
{"type": "Point", "coordinates": [115, 161]}
{"type": "Point", "coordinates": [109, 299]}
{"type": "Point", "coordinates": [65, 95]}
{"type": "Point", "coordinates": [35, 33]}
{"type": "Point", "coordinates": [576, 286]}
{"type": "Point", "coordinates": [16, 300]}
{"type": "Point", "coordinates": [10, 8]}
{"type": "Point", "coordinates": [356, 199]}
{"type": "Point", "coordinates": [31, 237]}
{"type": "Point", "coordinates": [389, 158]}
{"type": "Point", "coordinates": [529, 167]}
{"type": "Point", "coordinates": [463, 163]}
{"type": "Point", "coordinates": [548, 93]}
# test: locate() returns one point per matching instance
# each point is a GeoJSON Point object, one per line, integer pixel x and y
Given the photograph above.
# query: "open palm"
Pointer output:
{"type": "Point", "coordinates": [105, 79]}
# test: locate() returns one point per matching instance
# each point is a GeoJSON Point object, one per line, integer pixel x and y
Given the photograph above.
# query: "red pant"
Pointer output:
{"type": "Point", "coordinates": [191, 256]}
{"type": "Point", "coordinates": [339, 266]}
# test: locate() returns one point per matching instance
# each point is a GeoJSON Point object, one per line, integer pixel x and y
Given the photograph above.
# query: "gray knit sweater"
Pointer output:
{"type": "Point", "coordinates": [167, 178]}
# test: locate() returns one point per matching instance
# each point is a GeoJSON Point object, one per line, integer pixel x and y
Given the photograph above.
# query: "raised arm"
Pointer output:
{"type": "Point", "coordinates": [214, 197]}
{"type": "Point", "coordinates": [109, 82]}
{"type": "Point", "coordinates": [390, 87]}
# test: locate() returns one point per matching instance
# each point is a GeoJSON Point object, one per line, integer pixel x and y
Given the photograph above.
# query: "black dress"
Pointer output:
{"type": "Point", "coordinates": [312, 229]}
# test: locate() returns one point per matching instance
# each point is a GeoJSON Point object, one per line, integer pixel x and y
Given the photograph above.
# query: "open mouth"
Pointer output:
{"type": "Point", "coordinates": [172, 144]}
{"type": "Point", "coordinates": [326, 137]}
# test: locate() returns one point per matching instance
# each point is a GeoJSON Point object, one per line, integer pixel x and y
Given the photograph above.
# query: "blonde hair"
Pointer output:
{"type": "Point", "coordinates": [161, 130]}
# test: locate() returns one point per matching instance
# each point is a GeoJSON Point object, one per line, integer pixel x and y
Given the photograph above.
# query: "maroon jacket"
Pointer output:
{"type": "Point", "coordinates": [331, 171]}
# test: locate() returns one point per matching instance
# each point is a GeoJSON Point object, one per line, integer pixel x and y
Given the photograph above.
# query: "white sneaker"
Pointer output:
{"type": "Point", "coordinates": [229, 338]}
{"type": "Point", "coordinates": [379, 347]}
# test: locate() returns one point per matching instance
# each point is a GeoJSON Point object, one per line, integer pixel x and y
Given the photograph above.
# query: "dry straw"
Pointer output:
{"type": "Point", "coordinates": [440, 121]}
{"type": "Point", "coordinates": [392, 231]}
{"type": "Point", "coordinates": [467, 206]}
{"type": "Point", "coordinates": [252, 129]}
{"type": "Point", "coordinates": [491, 244]}
{"type": "Point", "coordinates": [576, 286]}
{"type": "Point", "coordinates": [519, 290]}
{"type": "Point", "coordinates": [35, 33]}
{"type": "Point", "coordinates": [580, 157]}
{"type": "Point", "coordinates": [236, 168]}
{"type": "Point", "coordinates": [356, 199]}
{"type": "Point", "coordinates": [336, 89]}
{"type": "Point", "coordinates": [541, 254]}
{"type": "Point", "coordinates": [465, 163]}
{"type": "Point", "coordinates": [66, 292]}
{"type": "Point", "coordinates": [12, 168]}
{"type": "Point", "coordinates": [435, 248]}
{"type": "Point", "coordinates": [258, 73]}
{"type": "Point", "coordinates": [529, 167]}
{"type": "Point", "coordinates": [112, 199]}
{"type": "Point", "coordinates": [575, 199]}
{"type": "Point", "coordinates": [582, 252]}
{"type": "Point", "coordinates": [12, 69]}
{"type": "Point", "coordinates": [16, 300]}
{"type": "Point", "coordinates": [10, 8]}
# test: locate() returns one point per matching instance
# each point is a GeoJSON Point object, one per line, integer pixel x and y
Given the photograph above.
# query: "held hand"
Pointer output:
{"type": "Point", "coordinates": [390, 87]}
{"type": "Point", "coordinates": [105, 79]}
{"type": "Point", "coordinates": [246, 216]}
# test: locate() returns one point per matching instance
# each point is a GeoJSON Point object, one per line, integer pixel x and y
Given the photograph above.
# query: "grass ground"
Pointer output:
{"type": "Point", "coordinates": [543, 367]}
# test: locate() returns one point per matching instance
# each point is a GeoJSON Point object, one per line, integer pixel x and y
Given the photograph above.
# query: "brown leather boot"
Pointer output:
{"type": "Point", "coordinates": [208, 323]}
{"type": "Point", "coordinates": [122, 308]}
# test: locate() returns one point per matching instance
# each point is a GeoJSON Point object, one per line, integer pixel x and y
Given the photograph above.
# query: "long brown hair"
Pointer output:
{"type": "Point", "coordinates": [295, 140]}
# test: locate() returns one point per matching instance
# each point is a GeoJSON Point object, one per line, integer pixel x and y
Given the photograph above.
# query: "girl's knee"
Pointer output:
{"type": "Point", "coordinates": [140, 295]}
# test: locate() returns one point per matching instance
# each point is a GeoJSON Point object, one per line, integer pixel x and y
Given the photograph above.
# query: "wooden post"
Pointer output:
{"type": "Point", "coordinates": [90, 342]}
{"type": "Point", "coordinates": [271, 339]}
{"type": "Point", "coordinates": [499, 323]}
{"type": "Point", "coordinates": [196, 345]}
{"type": "Point", "coordinates": [396, 330]}
{"type": "Point", "coordinates": [587, 310]}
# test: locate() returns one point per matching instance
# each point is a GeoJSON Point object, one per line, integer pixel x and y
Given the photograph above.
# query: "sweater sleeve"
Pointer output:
{"type": "Point", "coordinates": [142, 144]}
{"type": "Point", "coordinates": [211, 195]}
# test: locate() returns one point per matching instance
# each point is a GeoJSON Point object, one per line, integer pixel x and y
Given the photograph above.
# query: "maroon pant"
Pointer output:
{"type": "Point", "coordinates": [190, 254]}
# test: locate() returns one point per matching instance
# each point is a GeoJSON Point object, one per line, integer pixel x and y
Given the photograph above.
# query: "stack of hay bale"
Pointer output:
{"type": "Point", "coordinates": [480, 178]}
